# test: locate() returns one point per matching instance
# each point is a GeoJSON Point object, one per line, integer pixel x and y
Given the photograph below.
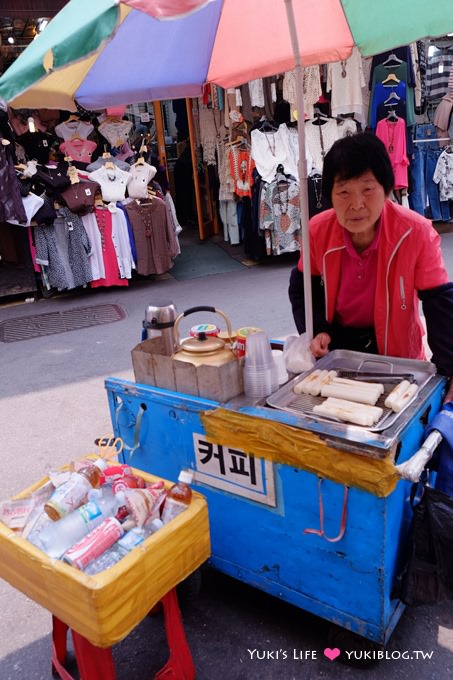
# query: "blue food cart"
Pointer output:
{"type": "Point", "coordinates": [306, 509]}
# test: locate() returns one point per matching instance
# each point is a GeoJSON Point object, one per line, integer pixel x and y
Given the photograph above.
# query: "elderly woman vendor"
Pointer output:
{"type": "Point", "coordinates": [372, 260]}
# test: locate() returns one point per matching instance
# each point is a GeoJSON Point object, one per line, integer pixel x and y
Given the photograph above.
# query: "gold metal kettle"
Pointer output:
{"type": "Point", "coordinates": [203, 349]}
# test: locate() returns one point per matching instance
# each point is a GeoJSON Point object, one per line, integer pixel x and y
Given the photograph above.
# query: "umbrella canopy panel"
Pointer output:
{"type": "Point", "coordinates": [118, 54]}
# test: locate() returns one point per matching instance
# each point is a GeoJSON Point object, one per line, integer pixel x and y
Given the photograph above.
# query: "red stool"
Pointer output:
{"type": "Point", "coordinates": [96, 663]}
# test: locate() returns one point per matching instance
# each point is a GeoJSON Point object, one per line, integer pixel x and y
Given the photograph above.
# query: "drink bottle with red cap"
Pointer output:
{"type": "Point", "coordinates": [178, 497]}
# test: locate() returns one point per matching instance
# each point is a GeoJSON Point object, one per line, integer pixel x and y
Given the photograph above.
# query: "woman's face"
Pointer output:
{"type": "Point", "coordinates": [358, 202]}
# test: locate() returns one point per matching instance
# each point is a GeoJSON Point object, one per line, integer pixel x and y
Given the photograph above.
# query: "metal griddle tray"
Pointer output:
{"type": "Point", "coordinates": [364, 367]}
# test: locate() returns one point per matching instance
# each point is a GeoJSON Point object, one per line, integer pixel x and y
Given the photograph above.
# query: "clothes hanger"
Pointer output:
{"type": "Point", "coordinates": [320, 118]}
{"type": "Point", "coordinates": [392, 57]}
{"type": "Point", "coordinates": [391, 116]}
{"type": "Point", "coordinates": [319, 114]}
{"type": "Point", "coordinates": [391, 78]}
{"type": "Point", "coordinates": [73, 175]}
{"type": "Point", "coordinates": [109, 165]}
{"type": "Point", "coordinates": [145, 201]}
{"type": "Point", "coordinates": [267, 126]}
{"type": "Point", "coordinates": [393, 97]}
{"type": "Point", "coordinates": [73, 116]}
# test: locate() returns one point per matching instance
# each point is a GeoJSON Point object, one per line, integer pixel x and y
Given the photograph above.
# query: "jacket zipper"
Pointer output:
{"type": "Point", "coordinates": [387, 291]}
{"type": "Point", "coordinates": [324, 277]}
{"type": "Point", "coordinates": [402, 294]}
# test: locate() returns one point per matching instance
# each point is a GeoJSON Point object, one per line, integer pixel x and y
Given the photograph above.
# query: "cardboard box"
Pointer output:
{"type": "Point", "coordinates": [152, 367]}
{"type": "Point", "coordinates": [105, 607]}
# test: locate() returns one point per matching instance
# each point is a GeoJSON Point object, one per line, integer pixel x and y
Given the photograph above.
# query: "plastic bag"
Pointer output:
{"type": "Point", "coordinates": [429, 575]}
{"type": "Point", "coordinates": [297, 355]}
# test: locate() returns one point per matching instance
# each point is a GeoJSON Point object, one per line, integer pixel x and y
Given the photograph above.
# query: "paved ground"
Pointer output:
{"type": "Point", "coordinates": [52, 407]}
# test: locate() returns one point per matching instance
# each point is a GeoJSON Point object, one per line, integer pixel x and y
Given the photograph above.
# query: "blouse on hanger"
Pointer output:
{"type": "Point", "coordinates": [154, 235]}
{"type": "Point", "coordinates": [140, 176]}
{"type": "Point", "coordinates": [345, 81]}
{"type": "Point", "coordinates": [79, 149]}
{"type": "Point", "coordinates": [113, 182]}
{"type": "Point", "coordinates": [115, 131]}
{"type": "Point", "coordinates": [443, 175]}
{"type": "Point", "coordinates": [280, 216]}
{"type": "Point", "coordinates": [393, 134]}
{"type": "Point", "coordinates": [319, 139]}
{"type": "Point", "coordinates": [73, 128]}
{"type": "Point", "coordinates": [269, 150]}
{"type": "Point", "coordinates": [241, 170]}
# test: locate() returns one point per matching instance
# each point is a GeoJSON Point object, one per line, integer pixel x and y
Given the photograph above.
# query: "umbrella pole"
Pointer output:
{"type": "Point", "coordinates": [303, 180]}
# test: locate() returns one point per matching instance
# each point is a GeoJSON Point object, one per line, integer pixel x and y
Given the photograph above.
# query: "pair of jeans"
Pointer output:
{"type": "Point", "coordinates": [424, 195]}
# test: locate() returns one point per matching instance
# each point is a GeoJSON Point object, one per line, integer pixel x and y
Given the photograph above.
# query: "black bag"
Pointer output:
{"type": "Point", "coordinates": [428, 578]}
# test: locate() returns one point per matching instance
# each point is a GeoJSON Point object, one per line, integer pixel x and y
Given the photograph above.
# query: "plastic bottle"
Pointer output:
{"type": "Point", "coordinates": [94, 544]}
{"type": "Point", "coordinates": [178, 498]}
{"type": "Point", "coordinates": [58, 536]}
{"type": "Point", "coordinates": [71, 494]}
{"type": "Point", "coordinates": [122, 547]}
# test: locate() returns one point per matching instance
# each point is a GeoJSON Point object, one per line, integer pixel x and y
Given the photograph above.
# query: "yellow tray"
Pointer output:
{"type": "Point", "coordinates": [105, 607]}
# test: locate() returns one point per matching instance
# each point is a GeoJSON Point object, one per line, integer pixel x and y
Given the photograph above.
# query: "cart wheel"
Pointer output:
{"type": "Point", "coordinates": [355, 649]}
{"type": "Point", "coordinates": [189, 591]}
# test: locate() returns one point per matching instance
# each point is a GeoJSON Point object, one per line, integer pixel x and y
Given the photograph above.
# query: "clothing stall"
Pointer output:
{"type": "Point", "coordinates": [79, 204]}
{"type": "Point", "coordinates": [88, 197]}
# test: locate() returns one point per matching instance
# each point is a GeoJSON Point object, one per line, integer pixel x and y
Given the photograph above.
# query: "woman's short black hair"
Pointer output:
{"type": "Point", "coordinates": [353, 155]}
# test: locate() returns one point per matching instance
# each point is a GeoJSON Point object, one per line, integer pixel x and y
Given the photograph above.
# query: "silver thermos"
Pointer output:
{"type": "Point", "coordinates": [159, 321]}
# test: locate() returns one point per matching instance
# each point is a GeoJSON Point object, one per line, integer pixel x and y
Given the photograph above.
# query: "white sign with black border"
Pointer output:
{"type": "Point", "coordinates": [233, 470]}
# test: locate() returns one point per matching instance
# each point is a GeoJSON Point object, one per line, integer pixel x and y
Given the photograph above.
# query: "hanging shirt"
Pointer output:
{"type": "Point", "coordinates": [319, 139]}
{"type": "Point", "coordinates": [271, 149]}
{"type": "Point", "coordinates": [382, 96]}
{"type": "Point", "coordinates": [11, 206]}
{"type": "Point", "coordinates": [62, 245]}
{"type": "Point", "coordinates": [116, 251]}
{"type": "Point", "coordinates": [73, 128]}
{"type": "Point", "coordinates": [443, 175]}
{"type": "Point", "coordinates": [31, 204]}
{"type": "Point", "coordinates": [437, 73]}
{"type": "Point", "coordinates": [155, 237]}
{"type": "Point", "coordinates": [393, 134]}
{"type": "Point", "coordinates": [280, 216]}
{"type": "Point", "coordinates": [115, 131]}
{"type": "Point", "coordinates": [79, 150]}
{"type": "Point", "coordinates": [113, 182]}
{"type": "Point", "coordinates": [345, 81]}
{"type": "Point", "coordinates": [256, 93]}
{"type": "Point", "coordinates": [51, 254]}
{"type": "Point", "coordinates": [241, 170]}
{"type": "Point", "coordinates": [141, 174]}
{"type": "Point", "coordinates": [96, 258]}
{"type": "Point", "coordinates": [311, 88]}
{"type": "Point", "coordinates": [101, 161]}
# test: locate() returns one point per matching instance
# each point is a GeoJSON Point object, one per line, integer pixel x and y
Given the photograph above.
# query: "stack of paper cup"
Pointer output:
{"type": "Point", "coordinates": [260, 374]}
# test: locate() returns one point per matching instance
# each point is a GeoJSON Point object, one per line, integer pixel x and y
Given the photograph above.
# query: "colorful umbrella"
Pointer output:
{"type": "Point", "coordinates": [105, 52]}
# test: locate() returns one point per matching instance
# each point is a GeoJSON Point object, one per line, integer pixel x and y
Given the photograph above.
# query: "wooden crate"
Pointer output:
{"type": "Point", "coordinates": [153, 367]}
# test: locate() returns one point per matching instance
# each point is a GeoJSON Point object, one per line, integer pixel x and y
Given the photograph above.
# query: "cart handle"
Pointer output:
{"type": "Point", "coordinates": [412, 469]}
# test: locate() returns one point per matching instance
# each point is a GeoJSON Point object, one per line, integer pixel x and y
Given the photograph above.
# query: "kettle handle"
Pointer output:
{"type": "Point", "coordinates": [202, 308]}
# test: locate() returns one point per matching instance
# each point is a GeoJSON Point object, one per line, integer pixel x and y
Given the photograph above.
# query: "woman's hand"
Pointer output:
{"type": "Point", "coordinates": [319, 346]}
